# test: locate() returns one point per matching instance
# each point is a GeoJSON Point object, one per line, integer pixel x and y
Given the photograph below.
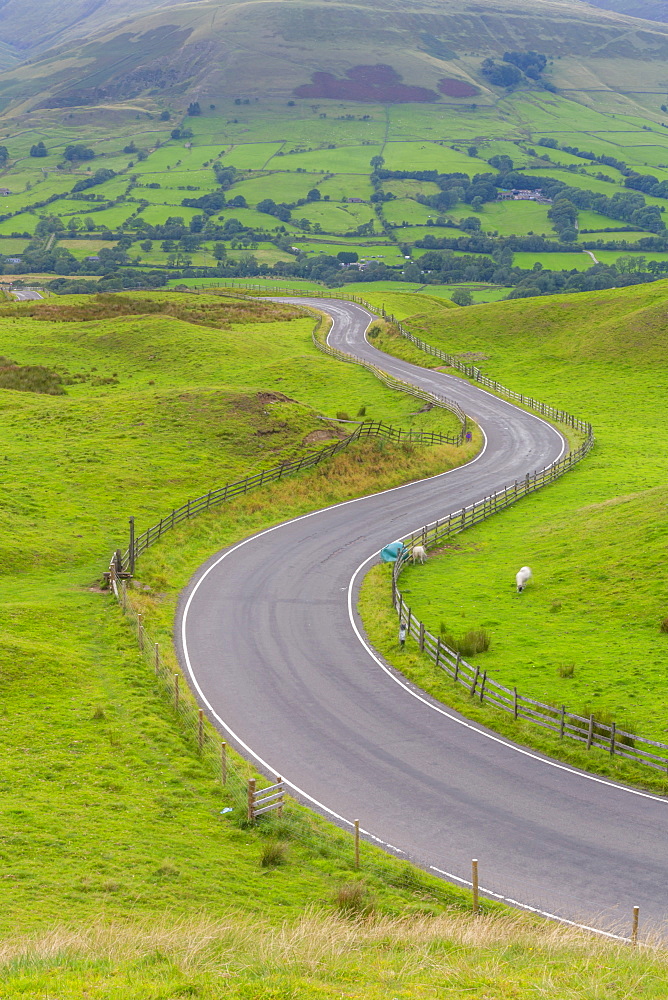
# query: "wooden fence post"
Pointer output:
{"type": "Point", "coordinates": [223, 762]}
{"type": "Point", "coordinates": [140, 632]}
{"type": "Point", "coordinates": [457, 662]}
{"type": "Point", "coordinates": [438, 651]}
{"type": "Point", "coordinates": [562, 724]}
{"type": "Point", "coordinates": [357, 843]}
{"type": "Point", "coordinates": [421, 639]}
{"type": "Point", "coordinates": [131, 547]}
{"type": "Point", "coordinates": [515, 704]}
{"type": "Point", "coordinates": [279, 810]}
{"type": "Point", "coordinates": [475, 681]}
{"type": "Point", "coordinates": [613, 730]}
{"type": "Point", "coordinates": [482, 686]}
{"type": "Point", "coordinates": [474, 883]}
{"type": "Point", "coordinates": [634, 929]}
{"type": "Point", "coordinates": [251, 800]}
{"type": "Point", "coordinates": [590, 734]}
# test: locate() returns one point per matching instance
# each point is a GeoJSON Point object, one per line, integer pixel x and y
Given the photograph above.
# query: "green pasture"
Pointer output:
{"type": "Point", "coordinates": [340, 160]}
{"type": "Point", "coordinates": [109, 218]}
{"type": "Point", "coordinates": [594, 220]}
{"type": "Point", "coordinates": [430, 156]}
{"type": "Point", "coordinates": [85, 248]}
{"type": "Point", "coordinates": [251, 155]}
{"type": "Point", "coordinates": [287, 187]}
{"type": "Point", "coordinates": [336, 217]}
{"type": "Point", "coordinates": [253, 220]}
{"type": "Point", "coordinates": [614, 237]}
{"type": "Point", "coordinates": [340, 187]}
{"type": "Point", "coordinates": [405, 210]}
{"type": "Point", "coordinates": [157, 215]}
{"type": "Point", "coordinates": [10, 246]}
{"type": "Point", "coordinates": [555, 261]}
{"type": "Point", "coordinates": [595, 605]}
{"type": "Point", "coordinates": [25, 222]}
{"type": "Point", "coordinates": [509, 218]}
{"type": "Point", "coordinates": [408, 234]}
{"type": "Point", "coordinates": [410, 188]}
{"type": "Point", "coordinates": [390, 254]}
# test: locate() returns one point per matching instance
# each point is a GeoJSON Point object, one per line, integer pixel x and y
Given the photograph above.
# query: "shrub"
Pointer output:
{"type": "Point", "coordinates": [362, 411]}
{"type": "Point", "coordinates": [342, 415]}
{"type": "Point", "coordinates": [566, 669]}
{"type": "Point", "coordinates": [274, 853]}
{"type": "Point", "coordinates": [664, 625]}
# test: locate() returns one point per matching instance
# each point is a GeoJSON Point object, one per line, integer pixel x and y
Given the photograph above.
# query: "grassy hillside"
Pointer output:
{"type": "Point", "coordinates": [125, 870]}
{"type": "Point", "coordinates": [108, 812]}
{"type": "Point", "coordinates": [587, 632]}
{"type": "Point", "coordinates": [216, 48]}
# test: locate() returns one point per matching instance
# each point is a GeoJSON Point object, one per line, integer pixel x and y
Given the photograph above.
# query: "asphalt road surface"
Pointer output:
{"type": "Point", "coordinates": [273, 646]}
{"type": "Point", "coordinates": [26, 294]}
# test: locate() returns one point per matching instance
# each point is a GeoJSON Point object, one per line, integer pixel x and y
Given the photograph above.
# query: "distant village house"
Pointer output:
{"type": "Point", "coordinates": [519, 194]}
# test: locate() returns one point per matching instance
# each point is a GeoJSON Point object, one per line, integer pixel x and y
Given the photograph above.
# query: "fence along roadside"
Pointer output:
{"type": "Point", "coordinates": [568, 725]}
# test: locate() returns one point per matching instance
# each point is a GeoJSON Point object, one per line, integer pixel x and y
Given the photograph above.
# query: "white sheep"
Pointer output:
{"type": "Point", "coordinates": [419, 552]}
{"type": "Point", "coordinates": [522, 577]}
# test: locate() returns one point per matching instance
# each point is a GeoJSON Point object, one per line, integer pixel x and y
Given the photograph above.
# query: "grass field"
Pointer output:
{"type": "Point", "coordinates": [161, 401]}
{"type": "Point", "coordinates": [554, 261]}
{"type": "Point", "coordinates": [509, 218]}
{"type": "Point", "coordinates": [590, 607]}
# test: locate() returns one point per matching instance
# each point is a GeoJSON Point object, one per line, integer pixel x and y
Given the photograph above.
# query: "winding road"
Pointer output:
{"type": "Point", "coordinates": [272, 644]}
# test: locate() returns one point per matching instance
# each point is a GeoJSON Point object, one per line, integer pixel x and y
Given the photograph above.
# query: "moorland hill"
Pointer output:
{"type": "Point", "coordinates": [429, 51]}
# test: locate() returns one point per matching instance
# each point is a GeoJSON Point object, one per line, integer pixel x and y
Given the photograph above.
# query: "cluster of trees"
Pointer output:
{"type": "Point", "coordinates": [39, 150]}
{"type": "Point", "coordinates": [516, 66]}
{"type": "Point", "coordinates": [99, 177]}
{"type": "Point", "coordinates": [77, 152]}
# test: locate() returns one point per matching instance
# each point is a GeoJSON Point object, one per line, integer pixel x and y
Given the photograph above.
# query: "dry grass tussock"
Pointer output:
{"type": "Point", "coordinates": [318, 939]}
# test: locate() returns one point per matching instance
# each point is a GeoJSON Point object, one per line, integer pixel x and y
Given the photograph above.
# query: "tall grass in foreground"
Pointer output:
{"type": "Point", "coordinates": [328, 955]}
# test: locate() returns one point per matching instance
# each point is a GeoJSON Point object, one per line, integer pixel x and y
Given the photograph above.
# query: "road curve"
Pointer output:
{"type": "Point", "coordinates": [271, 642]}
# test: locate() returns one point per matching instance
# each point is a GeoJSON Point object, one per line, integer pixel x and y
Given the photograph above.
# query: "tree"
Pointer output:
{"type": "Point", "coordinates": [4, 155]}
{"type": "Point", "coordinates": [194, 109]}
{"type": "Point", "coordinates": [39, 150]}
{"type": "Point", "coordinates": [472, 150]}
{"type": "Point", "coordinates": [347, 256]}
{"type": "Point", "coordinates": [313, 195]}
{"type": "Point", "coordinates": [462, 297]}
{"type": "Point", "coordinates": [376, 162]}
{"type": "Point", "coordinates": [130, 148]}
{"type": "Point", "coordinates": [164, 116]}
